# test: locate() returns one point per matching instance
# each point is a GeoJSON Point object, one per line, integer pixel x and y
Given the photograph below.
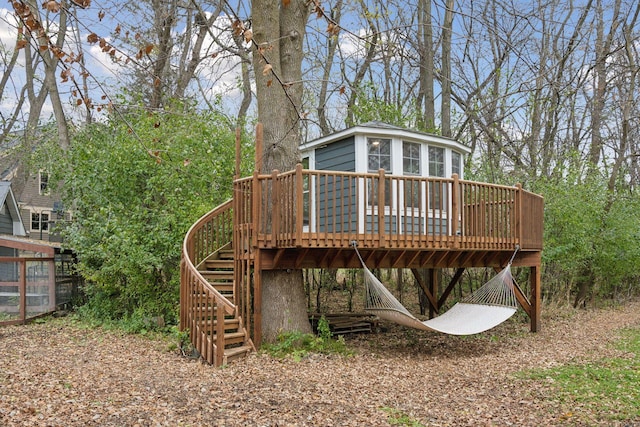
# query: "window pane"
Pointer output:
{"type": "Point", "coordinates": [436, 161]}
{"type": "Point", "coordinates": [379, 154]}
{"type": "Point", "coordinates": [456, 162]}
{"type": "Point", "coordinates": [411, 158]}
{"type": "Point", "coordinates": [44, 182]}
{"type": "Point", "coordinates": [35, 221]}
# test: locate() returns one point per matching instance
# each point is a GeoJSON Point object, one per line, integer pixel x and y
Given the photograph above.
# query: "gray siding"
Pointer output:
{"type": "Point", "coordinates": [6, 222]}
{"type": "Point", "coordinates": [335, 215]}
{"type": "Point", "coordinates": [339, 156]}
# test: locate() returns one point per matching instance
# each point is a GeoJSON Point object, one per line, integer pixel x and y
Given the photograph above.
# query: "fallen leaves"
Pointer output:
{"type": "Point", "coordinates": [63, 373]}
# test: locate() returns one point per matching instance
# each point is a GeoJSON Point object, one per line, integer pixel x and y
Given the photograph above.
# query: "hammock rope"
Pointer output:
{"type": "Point", "coordinates": [485, 308]}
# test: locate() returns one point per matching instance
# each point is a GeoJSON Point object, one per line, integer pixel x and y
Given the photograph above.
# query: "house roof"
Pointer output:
{"type": "Point", "coordinates": [382, 129]}
{"type": "Point", "coordinates": [6, 195]}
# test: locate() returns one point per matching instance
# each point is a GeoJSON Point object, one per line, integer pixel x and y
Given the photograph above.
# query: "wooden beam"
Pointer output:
{"type": "Point", "coordinates": [433, 304]}
{"type": "Point", "coordinates": [426, 258]}
{"type": "Point", "coordinates": [454, 281]}
{"type": "Point", "coordinates": [277, 257]}
{"type": "Point", "coordinates": [302, 254]}
{"type": "Point", "coordinates": [412, 258]}
{"type": "Point", "coordinates": [440, 257]}
{"type": "Point", "coordinates": [399, 258]}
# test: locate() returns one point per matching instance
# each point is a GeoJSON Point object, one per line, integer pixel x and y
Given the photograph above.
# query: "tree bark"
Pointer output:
{"type": "Point", "coordinates": [278, 30]}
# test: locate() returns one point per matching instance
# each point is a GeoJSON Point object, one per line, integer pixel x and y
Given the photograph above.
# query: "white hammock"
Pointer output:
{"type": "Point", "coordinates": [486, 308]}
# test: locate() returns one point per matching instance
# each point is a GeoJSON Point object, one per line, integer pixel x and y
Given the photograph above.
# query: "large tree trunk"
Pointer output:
{"type": "Point", "coordinates": [278, 30]}
{"type": "Point", "coordinates": [447, 30]}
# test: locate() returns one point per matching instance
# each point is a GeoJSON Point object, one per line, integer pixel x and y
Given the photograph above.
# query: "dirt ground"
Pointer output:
{"type": "Point", "coordinates": [59, 373]}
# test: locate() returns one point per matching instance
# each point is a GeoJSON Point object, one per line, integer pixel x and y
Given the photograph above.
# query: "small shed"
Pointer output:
{"type": "Point", "coordinates": [376, 145]}
{"type": "Point", "coordinates": [379, 151]}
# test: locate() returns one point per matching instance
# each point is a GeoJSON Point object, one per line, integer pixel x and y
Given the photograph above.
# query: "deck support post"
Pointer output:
{"type": "Point", "coordinates": [257, 299]}
{"type": "Point", "coordinates": [534, 283]}
{"type": "Point", "coordinates": [432, 280]}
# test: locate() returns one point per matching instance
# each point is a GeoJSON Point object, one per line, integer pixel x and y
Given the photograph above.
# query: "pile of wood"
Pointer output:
{"type": "Point", "coordinates": [346, 323]}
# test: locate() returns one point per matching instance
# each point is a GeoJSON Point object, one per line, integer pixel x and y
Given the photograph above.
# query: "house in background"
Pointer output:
{"type": "Point", "coordinates": [10, 218]}
{"type": "Point", "coordinates": [36, 274]}
{"type": "Point", "coordinates": [40, 205]}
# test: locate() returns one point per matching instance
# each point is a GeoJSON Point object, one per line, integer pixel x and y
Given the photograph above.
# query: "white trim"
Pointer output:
{"type": "Point", "coordinates": [384, 132]}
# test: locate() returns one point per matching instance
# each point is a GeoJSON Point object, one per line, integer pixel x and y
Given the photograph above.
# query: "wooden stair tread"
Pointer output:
{"type": "Point", "coordinates": [234, 353]}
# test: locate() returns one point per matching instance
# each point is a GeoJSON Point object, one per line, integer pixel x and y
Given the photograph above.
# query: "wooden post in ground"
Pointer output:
{"type": "Point", "coordinates": [534, 283]}
{"type": "Point", "coordinates": [432, 280]}
{"type": "Point", "coordinates": [259, 148]}
{"type": "Point", "coordinates": [238, 153]}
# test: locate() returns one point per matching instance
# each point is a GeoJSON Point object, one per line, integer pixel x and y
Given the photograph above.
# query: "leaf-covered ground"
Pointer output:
{"type": "Point", "coordinates": [59, 373]}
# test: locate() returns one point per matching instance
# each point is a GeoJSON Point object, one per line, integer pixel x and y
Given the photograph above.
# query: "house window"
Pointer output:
{"type": "Point", "coordinates": [44, 182]}
{"type": "Point", "coordinates": [436, 191]}
{"type": "Point", "coordinates": [436, 161]}
{"type": "Point", "coordinates": [379, 150]}
{"type": "Point", "coordinates": [456, 163]}
{"type": "Point", "coordinates": [410, 158]}
{"type": "Point", "coordinates": [379, 157]}
{"type": "Point", "coordinates": [40, 221]}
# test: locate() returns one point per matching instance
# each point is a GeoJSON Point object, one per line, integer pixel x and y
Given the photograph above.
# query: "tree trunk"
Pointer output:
{"type": "Point", "coordinates": [426, 96]}
{"type": "Point", "coordinates": [278, 31]}
{"type": "Point", "coordinates": [446, 69]}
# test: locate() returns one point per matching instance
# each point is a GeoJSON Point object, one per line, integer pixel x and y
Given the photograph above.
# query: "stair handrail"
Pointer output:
{"type": "Point", "coordinates": [190, 279]}
{"type": "Point", "coordinates": [229, 307]}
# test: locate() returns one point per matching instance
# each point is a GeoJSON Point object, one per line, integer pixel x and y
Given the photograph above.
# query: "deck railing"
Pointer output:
{"type": "Point", "coordinates": [201, 303]}
{"type": "Point", "coordinates": [325, 209]}
{"type": "Point", "coordinates": [305, 208]}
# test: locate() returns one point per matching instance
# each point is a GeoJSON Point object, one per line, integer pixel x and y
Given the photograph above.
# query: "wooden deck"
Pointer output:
{"type": "Point", "coordinates": [310, 219]}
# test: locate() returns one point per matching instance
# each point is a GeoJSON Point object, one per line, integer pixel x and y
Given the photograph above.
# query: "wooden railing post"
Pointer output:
{"type": "Point", "coordinates": [256, 202]}
{"type": "Point", "coordinates": [236, 173]}
{"type": "Point", "coordinates": [381, 206]}
{"type": "Point", "coordinates": [455, 191]}
{"type": "Point", "coordinates": [299, 200]}
{"type": "Point", "coordinates": [220, 344]}
{"type": "Point", "coordinates": [275, 207]}
{"type": "Point", "coordinates": [519, 214]}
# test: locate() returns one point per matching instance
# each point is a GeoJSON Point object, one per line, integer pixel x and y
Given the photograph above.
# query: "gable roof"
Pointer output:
{"type": "Point", "coordinates": [383, 129]}
{"type": "Point", "coordinates": [6, 196]}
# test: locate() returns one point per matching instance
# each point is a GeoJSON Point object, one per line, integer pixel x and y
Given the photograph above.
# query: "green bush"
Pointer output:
{"type": "Point", "coordinates": [298, 345]}
{"type": "Point", "coordinates": [135, 185]}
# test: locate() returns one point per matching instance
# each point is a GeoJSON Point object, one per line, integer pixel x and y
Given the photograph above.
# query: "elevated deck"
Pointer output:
{"type": "Point", "coordinates": [311, 219]}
